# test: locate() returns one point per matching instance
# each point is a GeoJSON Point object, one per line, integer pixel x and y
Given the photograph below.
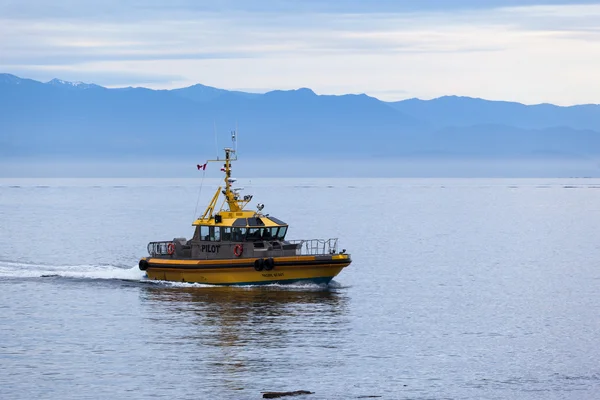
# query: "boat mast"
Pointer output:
{"type": "Point", "coordinates": [230, 195]}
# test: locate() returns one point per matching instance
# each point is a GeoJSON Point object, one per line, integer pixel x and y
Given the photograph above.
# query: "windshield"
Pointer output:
{"type": "Point", "coordinates": [281, 233]}
{"type": "Point", "coordinates": [271, 233]}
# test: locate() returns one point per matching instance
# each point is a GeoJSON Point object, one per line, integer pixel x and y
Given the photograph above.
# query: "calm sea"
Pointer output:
{"type": "Point", "coordinates": [459, 289]}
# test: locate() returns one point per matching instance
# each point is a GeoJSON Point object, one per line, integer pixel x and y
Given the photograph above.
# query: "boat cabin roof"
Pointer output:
{"type": "Point", "coordinates": [244, 219]}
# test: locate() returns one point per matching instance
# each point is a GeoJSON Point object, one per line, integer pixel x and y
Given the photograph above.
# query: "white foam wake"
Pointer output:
{"type": "Point", "coordinates": [298, 286]}
{"type": "Point", "coordinates": [13, 269]}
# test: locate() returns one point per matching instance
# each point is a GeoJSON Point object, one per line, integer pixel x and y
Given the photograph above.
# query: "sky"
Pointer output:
{"type": "Point", "coordinates": [527, 51]}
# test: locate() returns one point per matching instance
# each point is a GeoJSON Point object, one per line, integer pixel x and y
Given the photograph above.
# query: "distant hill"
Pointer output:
{"type": "Point", "coordinates": [466, 111]}
{"type": "Point", "coordinates": [204, 93]}
{"type": "Point", "coordinates": [64, 119]}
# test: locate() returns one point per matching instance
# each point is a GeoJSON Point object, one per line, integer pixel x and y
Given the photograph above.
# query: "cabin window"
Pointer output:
{"type": "Point", "coordinates": [215, 233]}
{"type": "Point", "coordinates": [254, 234]}
{"type": "Point", "coordinates": [210, 233]}
{"type": "Point", "coordinates": [238, 234]}
{"type": "Point", "coordinates": [204, 232]}
{"type": "Point", "coordinates": [282, 232]}
{"type": "Point", "coordinates": [226, 232]}
{"type": "Point", "coordinates": [270, 233]}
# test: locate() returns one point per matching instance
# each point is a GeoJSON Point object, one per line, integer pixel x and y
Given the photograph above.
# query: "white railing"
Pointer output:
{"type": "Point", "coordinates": [158, 248]}
{"type": "Point", "coordinates": [315, 246]}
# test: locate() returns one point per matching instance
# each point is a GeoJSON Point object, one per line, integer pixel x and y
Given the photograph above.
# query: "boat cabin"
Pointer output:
{"type": "Point", "coordinates": [240, 230]}
{"type": "Point", "coordinates": [241, 234]}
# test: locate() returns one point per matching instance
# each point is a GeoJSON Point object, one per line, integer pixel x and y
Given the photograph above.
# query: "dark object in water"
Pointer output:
{"type": "Point", "coordinates": [276, 395]}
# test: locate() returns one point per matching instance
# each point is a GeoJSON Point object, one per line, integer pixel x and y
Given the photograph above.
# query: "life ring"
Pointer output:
{"type": "Point", "coordinates": [171, 248]}
{"type": "Point", "coordinates": [238, 250]}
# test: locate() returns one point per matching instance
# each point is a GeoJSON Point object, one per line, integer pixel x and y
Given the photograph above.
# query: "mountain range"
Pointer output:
{"type": "Point", "coordinates": [78, 120]}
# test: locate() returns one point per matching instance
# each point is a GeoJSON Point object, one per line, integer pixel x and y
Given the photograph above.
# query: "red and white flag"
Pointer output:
{"type": "Point", "coordinates": [201, 167]}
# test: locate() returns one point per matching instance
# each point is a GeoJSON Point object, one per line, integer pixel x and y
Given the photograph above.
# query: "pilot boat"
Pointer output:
{"type": "Point", "coordinates": [235, 246]}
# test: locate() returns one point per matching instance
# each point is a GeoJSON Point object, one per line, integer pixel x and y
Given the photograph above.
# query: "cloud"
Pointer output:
{"type": "Point", "coordinates": [513, 50]}
{"type": "Point", "coordinates": [131, 10]}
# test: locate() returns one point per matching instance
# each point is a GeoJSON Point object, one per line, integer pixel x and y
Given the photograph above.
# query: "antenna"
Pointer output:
{"type": "Point", "coordinates": [236, 131]}
{"type": "Point", "coordinates": [234, 142]}
{"type": "Point", "coordinates": [216, 141]}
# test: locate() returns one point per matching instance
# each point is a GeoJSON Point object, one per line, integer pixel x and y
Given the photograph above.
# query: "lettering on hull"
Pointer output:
{"type": "Point", "coordinates": [273, 275]}
{"type": "Point", "coordinates": [210, 248]}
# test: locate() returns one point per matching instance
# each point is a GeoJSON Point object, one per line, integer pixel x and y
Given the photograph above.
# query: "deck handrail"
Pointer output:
{"type": "Point", "coordinates": [315, 246]}
{"type": "Point", "coordinates": [159, 248]}
{"type": "Point", "coordinates": [303, 247]}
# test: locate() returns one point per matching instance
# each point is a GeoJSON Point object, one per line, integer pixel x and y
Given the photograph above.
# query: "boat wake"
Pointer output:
{"type": "Point", "coordinates": [299, 286]}
{"type": "Point", "coordinates": [12, 269]}
{"type": "Point", "coordinates": [291, 287]}
{"type": "Point", "coordinates": [15, 269]}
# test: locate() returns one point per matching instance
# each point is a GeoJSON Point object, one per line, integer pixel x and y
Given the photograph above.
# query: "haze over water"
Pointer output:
{"type": "Point", "coordinates": [459, 289]}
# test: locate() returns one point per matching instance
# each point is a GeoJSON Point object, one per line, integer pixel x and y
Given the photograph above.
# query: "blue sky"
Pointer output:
{"type": "Point", "coordinates": [527, 51]}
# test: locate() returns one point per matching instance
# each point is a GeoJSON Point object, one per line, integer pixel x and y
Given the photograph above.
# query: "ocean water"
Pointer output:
{"type": "Point", "coordinates": [459, 289]}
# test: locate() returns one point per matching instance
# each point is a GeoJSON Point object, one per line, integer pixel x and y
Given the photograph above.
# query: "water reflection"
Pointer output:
{"type": "Point", "coordinates": [243, 331]}
{"type": "Point", "coordinates": [252, 314]}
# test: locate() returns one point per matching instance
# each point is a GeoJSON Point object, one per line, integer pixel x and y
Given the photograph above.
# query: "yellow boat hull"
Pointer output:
{"type": "Point", "coordinates": [242, 272]}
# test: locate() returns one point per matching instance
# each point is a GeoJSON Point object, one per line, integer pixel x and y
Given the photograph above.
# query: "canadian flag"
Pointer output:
{"type": "Point", "coordinates": [201, 167]}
